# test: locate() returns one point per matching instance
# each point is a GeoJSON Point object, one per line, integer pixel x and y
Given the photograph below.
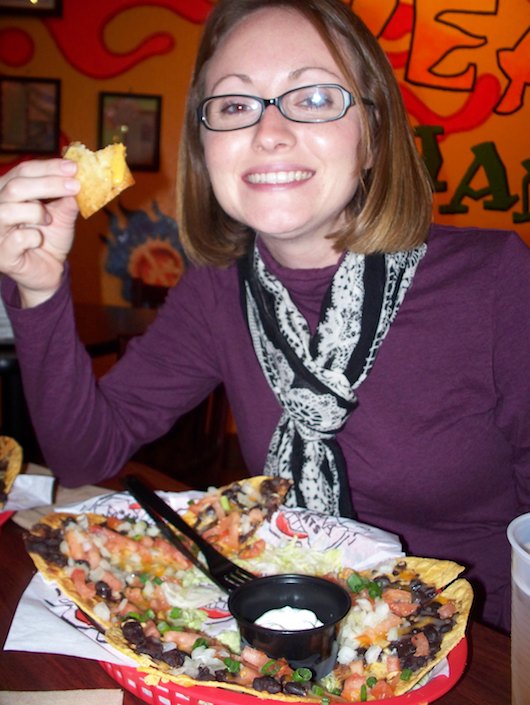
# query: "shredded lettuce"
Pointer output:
{"type": "Point", "coordinates": [291, 557]}
{"type": "Point", "coordinates": [230, 638]}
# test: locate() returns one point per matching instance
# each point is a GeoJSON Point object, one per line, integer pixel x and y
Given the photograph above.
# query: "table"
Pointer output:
{"type": "Point", "coordinates": [100, 329]}
{"type": "Point", "coordinates": [485, 682]}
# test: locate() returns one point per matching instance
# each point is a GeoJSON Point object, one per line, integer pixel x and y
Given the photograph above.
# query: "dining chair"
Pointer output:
{"type": "Point", "coordinates": [193, 450]}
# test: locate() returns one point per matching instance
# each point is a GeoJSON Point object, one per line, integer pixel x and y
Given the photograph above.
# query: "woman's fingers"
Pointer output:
{"type": "Point", "coordinates": [36, 180]}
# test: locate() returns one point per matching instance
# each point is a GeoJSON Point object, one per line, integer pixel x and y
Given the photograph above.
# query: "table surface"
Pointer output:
{"type": "Point", "coordinates": [486, 680]}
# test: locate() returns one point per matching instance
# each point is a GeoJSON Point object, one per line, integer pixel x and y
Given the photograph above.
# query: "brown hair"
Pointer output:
{"type": "Point", "coordinates": [392, 207]}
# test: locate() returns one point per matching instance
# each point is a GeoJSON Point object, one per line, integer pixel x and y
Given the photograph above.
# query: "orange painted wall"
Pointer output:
{"type": "Point", "coordinates": [463, 66]}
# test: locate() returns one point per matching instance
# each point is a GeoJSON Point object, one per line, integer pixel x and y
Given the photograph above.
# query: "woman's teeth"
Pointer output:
{"type": "Point", "coordinates": [279, 177]}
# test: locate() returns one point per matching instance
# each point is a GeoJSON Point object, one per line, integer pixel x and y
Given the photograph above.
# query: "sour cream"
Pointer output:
{"type": "Point", "coordinates": [288, 619]}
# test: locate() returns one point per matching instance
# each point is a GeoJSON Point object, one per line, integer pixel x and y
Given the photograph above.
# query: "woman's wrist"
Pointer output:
{"type": "Point", "coordinates": [29, 298]}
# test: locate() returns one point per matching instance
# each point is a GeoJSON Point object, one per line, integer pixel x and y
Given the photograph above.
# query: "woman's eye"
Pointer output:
{"type": "Point", "coordinates": [316, 101]}
{"type": "Point", "coordinates": [234, 107]}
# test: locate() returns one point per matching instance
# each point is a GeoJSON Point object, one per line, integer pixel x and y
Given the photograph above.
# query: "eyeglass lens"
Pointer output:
{"type": "Point", "coordinates": [318, 103]}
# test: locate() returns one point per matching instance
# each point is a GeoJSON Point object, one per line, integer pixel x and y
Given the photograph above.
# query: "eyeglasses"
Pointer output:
{"type": "Point", "coordinates": [322, 102]}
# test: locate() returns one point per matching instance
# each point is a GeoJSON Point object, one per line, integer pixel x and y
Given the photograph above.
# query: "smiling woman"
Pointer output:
{"type": "Point", "coordinates": [374, 360]}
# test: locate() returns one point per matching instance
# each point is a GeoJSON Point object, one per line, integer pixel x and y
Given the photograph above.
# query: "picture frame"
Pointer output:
{"type": "Point", "coordinates": [44, 8]}
{"type": "Point", "coordinates": [134, 119]}
{"type": "Point", "coordinates": [30, 115]}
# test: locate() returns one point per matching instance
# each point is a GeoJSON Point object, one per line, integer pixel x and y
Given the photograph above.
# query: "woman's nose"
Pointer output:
{"type": "Point", "coordinates": [273, 130]}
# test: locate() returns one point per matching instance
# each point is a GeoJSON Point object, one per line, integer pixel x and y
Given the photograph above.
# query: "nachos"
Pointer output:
{"type": "Point", "coordinates": [406, 614]}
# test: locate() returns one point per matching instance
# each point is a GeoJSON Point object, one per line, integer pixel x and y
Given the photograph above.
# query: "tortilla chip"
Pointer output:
{"type": "Point", "coordinates": [103, 175]}
{"type": "Point", "coordinates": [251, 489]}
{"type": "Point", "coordinates": [10, 466]}
{"type": "Point", "coordinates": [461, 592]}
{"type": "Point", "coordinates": [159, 672]}
{"type": "Point", "coordinates": [55, 573]}
{"type": "Point", "coordinates": [434, 571]}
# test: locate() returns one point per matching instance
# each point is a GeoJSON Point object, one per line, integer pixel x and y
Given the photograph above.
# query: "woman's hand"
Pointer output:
{"type": "Point", "coordinates": [37, 216]}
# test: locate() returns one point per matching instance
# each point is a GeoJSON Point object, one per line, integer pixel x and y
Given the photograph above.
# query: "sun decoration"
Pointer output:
{"type": "Point", "coordinates": [144, 247]}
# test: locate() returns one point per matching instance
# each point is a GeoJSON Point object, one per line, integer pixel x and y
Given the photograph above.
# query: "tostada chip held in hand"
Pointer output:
{"type": "Point", "coordinates": [103, 175]}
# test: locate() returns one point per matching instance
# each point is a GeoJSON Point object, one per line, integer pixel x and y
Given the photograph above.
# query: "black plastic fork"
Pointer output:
{"type": "Point", "coordinates": [226, 574]}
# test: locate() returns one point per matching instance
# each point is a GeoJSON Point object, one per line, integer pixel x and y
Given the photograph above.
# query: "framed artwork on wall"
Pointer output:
{"type": "Point", "coordinates": [29, 115]}
{"type": "Point", "coordinates": [133, 119]}
{"type": "Point", "coordinates": [40, 8]}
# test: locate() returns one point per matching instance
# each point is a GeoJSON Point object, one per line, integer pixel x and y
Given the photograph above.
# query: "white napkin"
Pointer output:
{"type": "Point", "coordinates": [30, 491]}
{"type": "Point", "coordinates": [33, 626]}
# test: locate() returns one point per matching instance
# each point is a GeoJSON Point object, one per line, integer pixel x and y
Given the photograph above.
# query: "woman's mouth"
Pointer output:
{"type": "Point", "coordinates": [278, 177]}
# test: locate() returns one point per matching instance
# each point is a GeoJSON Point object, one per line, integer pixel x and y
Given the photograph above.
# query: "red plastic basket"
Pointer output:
{"type": "Point", "coordinates": [171, 694]}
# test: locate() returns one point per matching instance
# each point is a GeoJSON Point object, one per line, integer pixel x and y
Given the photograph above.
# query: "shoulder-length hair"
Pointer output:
{"type": "Point", "coordinates": [392, 207]}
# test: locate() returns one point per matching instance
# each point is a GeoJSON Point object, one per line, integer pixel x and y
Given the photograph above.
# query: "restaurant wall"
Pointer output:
{"type": "Point", "coordinates": [463, 66]}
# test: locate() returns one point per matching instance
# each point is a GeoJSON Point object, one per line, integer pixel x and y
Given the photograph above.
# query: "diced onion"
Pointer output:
{"type": "Point", "coordinates": [102, 611]}
{"type": "Point", "coordinates": [372, 653]}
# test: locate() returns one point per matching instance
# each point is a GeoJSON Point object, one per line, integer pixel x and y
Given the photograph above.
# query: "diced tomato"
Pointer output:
{"type": "Point", "coordinates": [421, 643]}
{"type": "Point", "coordinates": [114, 522]}
{"type": "Point", "coordinates": [255, 549]}
{"type": "Point", "coordinates": [225, 532]}
{"type": "Point", "coordinates": [352, 687]}
{"type": "Point", "coordinates": [381, 691]}
{"type": "Point", "coordinates": [392, 664]}
{"type": "Point", "coordinates": [447, 610]}
{"type": "Point", "coordinates": [84, 589]}
{"type": "Point", "coordinates": [357, 667]}
{"type": "Point", "coordinates": [399, 602]}
{"type": "Point", "coordinates": [403, 609]}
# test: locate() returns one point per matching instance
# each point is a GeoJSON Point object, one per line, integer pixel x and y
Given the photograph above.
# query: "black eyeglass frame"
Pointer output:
{"type": "Point", "coordinates": [349, 101]}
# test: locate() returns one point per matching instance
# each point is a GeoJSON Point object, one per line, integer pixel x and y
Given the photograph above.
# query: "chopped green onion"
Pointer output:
{"type": "Point", "coordinates": [134, 615]}
{"type": "Point", "coordinates": [405, 674]}
{"type": "Point", "coordinates": [175, 613]}
{"type": "Point", "coordinates": [318, 690]}
{"type": "Point", "coordinates": [225, 504]}
{"type": "Point", "coordinates": [232, 665]}
{"type": "Point", "coordinates": [271, 668]}
{"type": "Point", "coordinates": [199, 642]}
{"type": "Point", "coordinates": [355, 582]}
{"type": "Point", "coordinates": [302, 674]}
{"type": "Point", "coordinates": [148, 614]}
{"type": "Point", "coordinates": [144, 577]}
{"type": "Point", "coordinates": [163, 627]}
{"type": "Point", "coordinates": [371, 681]}
{"type": "Point", "coordinates": [324, 701]}
{"type": "Point", "coordinates": [374, 590]}
{"type": "Point", "coordinates": [157, 581]}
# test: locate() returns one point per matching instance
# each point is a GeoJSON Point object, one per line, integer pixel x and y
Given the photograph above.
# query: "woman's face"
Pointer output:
{"type": "Point", "coordinates": [288, 181]}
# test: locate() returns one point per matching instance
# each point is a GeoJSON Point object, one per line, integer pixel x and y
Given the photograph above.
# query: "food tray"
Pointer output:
{"type": "Point", "coordinates": [132, 680]}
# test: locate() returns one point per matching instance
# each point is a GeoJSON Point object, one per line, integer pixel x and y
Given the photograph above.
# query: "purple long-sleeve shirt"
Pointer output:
{"type": "Point", "coordinates": [438, 449]}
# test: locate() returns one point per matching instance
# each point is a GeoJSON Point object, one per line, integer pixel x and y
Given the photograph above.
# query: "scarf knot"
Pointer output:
{"type": "Point", "coordinates": [314, 377]}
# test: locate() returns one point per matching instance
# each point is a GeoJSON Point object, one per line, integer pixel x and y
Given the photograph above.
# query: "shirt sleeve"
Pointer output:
{"type": "Point", "coordinates": [511, 358]}
{"type": "Point", "coordinates": [87, 429]}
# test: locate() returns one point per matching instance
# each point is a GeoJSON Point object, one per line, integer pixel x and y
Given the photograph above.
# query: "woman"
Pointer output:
{"type": "Point", "coordinates": [385, 375]}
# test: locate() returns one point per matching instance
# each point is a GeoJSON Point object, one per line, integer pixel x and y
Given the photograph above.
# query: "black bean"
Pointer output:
{"type": "Point", "coordinates": [267, 684]}
{"type": "Point", "coordinates": [294, 688]}
{"type": "Point", "coordinates": [133, 632]}
{"type": "Point", "coordinates": [173, 658]}
{"type": "Point", "coordinates": [203, 674]}
{"type": "Point", "coordinates": [103, 590]}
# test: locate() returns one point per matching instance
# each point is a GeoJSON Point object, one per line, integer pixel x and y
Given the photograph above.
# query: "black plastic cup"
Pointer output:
{"type": "Point", "coordinates": [315, 648]}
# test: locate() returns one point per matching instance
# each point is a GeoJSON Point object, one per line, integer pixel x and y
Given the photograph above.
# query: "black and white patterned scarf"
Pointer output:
{"type": "Point", "coordinates": [314, 376]}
